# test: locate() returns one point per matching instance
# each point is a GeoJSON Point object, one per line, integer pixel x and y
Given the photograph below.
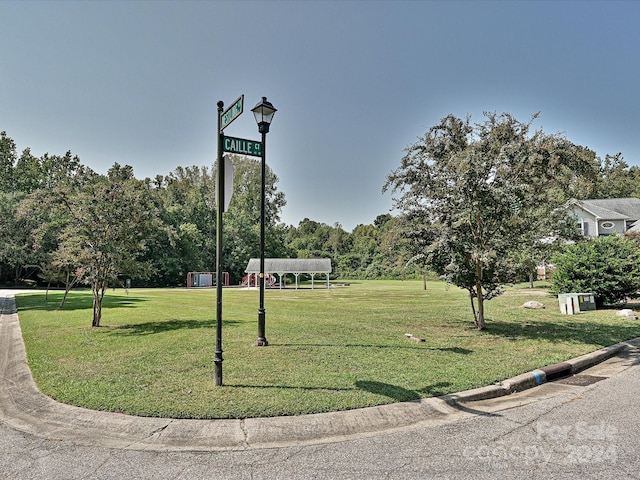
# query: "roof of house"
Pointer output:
{"type": "Point", "coordinates": [290, 265]}
{"type": "Point", "coordinates": [612, 208]}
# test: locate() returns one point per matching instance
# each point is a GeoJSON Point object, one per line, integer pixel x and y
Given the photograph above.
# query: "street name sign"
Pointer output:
{"type": "Point", "coordinates": [242, 146]}
{"type": "Point", "coordinates": [231, 113]}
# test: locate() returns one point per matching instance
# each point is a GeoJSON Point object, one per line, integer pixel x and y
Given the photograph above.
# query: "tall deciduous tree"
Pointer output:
{"type": "Point", "coordinates": [110, 220]}
{"type": "Point", "coordinates": [484, 189]}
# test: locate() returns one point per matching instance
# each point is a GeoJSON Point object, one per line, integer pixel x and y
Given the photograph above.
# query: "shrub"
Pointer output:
{"type": "Point", "coordinates": [608, 267]}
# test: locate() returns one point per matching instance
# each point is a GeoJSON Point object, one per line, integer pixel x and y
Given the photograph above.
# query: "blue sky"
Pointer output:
{"type": "Point", "coordinates": [355, 83]}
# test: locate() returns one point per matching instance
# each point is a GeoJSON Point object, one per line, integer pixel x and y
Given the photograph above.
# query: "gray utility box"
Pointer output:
{"type": "Point", "coordinates": [571, 303]}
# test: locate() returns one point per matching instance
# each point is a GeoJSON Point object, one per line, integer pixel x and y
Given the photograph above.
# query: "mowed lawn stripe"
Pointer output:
{"type": "Point", "coordinates": [330, 349]}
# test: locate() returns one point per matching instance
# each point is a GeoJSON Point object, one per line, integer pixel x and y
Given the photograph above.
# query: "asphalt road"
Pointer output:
{"type": "Point", "coordinates": [558, 431]}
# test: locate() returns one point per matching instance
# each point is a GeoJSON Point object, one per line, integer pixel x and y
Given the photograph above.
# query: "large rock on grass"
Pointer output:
{"type": "Point", "coordinates": [534, 305]}
{"type": "Point", "coordinates": [627, 313]}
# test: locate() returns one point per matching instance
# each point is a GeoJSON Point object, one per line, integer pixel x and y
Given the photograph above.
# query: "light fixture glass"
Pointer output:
{"type": "Point", "coordinates": [263, 113]}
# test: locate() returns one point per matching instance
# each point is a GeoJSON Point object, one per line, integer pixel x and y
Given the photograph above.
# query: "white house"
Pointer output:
{"type": "Point", "coordinates": [606, 216]}
{"type": "Point", "coordinates": [601, 217]}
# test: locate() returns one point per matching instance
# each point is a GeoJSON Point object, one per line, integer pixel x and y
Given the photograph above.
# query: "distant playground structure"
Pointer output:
{"type": "Point", "coordinates": [283, 266]}
{"type": "Point", "coordinates": [253, 280]}
{"type": "Point", "coordinates": [205, 279]}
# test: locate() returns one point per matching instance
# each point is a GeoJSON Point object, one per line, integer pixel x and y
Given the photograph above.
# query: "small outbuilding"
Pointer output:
{"type": "Point", "coordinates": [296, 266]}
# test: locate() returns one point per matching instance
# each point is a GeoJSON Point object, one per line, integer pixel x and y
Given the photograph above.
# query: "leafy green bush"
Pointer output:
{"type": "Point", "coordinates": [609, 267]}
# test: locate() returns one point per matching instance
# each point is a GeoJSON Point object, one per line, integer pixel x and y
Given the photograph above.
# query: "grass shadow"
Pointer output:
{"type": "Point", "coordinates": [289, 387]}
{"type": "Point", "coordinates": [401, 394]}
{"type": "Point", "coordinates": [394, 392]}
{"type": "Point", "coordinates": [461, 351]}
{"type": "Point", "coordinates": [36, 301]}
{"type": "Point", "coordinates": [590, 332]}
{"type": "Point", "coordinates": [437, 389]}
{"type": "Point", "coordinates": [150, 328]}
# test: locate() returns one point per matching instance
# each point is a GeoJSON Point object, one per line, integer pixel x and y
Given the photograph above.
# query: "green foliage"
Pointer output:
{"type": "Point", "coordinates": [608, 267]}
{"type": "Point", "coordinates": [368, 252]}
{"type": "Point", "coordinates": [497, 167]}
{"type": "Point", "coordinates": [616, 179]}
{"type": "Point", "coordinates": [242, 219]}
{"type": "Point", "coordinates": [109, 220]}
{"type": "Point", "coordinates": [482, 192]}
{"type": "Point", "coordinates": [17, 257]}
{"type": "Point", "coordinates": [186, 209]}
{"type": "Point", "coordinates": [8, 157]}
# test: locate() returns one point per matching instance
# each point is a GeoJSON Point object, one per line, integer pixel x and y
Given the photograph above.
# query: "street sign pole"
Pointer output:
{"type": "Point", "coordinates": [217, 360]}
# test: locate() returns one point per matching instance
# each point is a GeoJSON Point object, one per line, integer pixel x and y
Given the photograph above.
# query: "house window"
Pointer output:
{"type": "Point", "coordinates": [607, 225]}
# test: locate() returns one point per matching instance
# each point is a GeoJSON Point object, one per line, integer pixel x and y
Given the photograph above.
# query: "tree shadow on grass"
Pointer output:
{"type": "Point", "coordinates": [461, 351]}
{"type": "Point", "coordinates": [401, 394]}
{"type": "Point", "coordinates": [37, 301]}
{"type": "Point", "coordinates": [394, 392]}
{"type": "Point", "coordinates": [290, 387]}
{"type": "Point", "coordinates": [579, 330]}
{"type": "Point", "coordinates": [149, 328]}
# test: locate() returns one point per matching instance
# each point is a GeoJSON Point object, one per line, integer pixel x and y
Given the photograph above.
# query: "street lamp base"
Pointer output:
{"type": "Point", "coordinates": [217, 369]}
{"type": "Point", "coordinates": [262, 337]}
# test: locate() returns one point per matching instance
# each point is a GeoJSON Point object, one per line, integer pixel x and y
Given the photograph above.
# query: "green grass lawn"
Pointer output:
{"type": "Point", "coordinates": [329, 350]}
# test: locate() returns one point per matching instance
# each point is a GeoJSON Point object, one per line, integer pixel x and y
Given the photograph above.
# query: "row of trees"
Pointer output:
{"type": "Point", "coordinates": [64, 224]}
{"type": "Point", "coordinates": [480, 205]}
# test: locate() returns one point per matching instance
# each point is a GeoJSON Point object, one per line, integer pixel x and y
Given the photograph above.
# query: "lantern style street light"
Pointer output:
{"type": "Point", "coordinates": [263, 113]}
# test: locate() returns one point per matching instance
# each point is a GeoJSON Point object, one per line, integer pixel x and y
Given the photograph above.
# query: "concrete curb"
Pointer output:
{"type": "Point", "coordinates": [540, 376]}
{"type": "Point", "coordinates": [24, 408]}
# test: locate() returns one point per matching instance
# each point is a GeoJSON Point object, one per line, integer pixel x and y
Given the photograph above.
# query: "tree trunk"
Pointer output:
{"type": "Point", "coordinates": [473, 306]}
{"type": "Point", "coordinates": [530, 279]}
{"type": "Point", "coordinates": [424, 281]}
{"type": "Point", "coordinates": [98, 294]}
{"type": "Point", "coordinates": [17, 274]}
{"type": "Point", "coordinates": [67, 288]}
{"type": "Point", "coordinates": [480, 324]}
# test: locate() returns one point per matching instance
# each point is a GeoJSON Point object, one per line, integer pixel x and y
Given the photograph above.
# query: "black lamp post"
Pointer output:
{"type": "Point", "coordinates": [217, 359]}
{"type": "Point", "coordinates": [263, 112]}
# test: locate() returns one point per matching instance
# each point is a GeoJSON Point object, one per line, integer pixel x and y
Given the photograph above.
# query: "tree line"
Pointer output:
{"type": "Point", "coordinates": [478, 204]}
{"type": "Point", "coordinates": [64, 224]}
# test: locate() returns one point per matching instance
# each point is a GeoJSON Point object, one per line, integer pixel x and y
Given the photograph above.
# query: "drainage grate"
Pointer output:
{"type": "Point", "coordinates": [580, 380]}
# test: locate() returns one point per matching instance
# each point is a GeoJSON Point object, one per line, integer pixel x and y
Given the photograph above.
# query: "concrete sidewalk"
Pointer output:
{"type": "Point", "coordinates": [24, 408]}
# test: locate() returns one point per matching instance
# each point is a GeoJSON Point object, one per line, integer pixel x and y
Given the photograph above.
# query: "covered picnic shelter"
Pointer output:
{"type": "Point", "coordinates": [296, 266]}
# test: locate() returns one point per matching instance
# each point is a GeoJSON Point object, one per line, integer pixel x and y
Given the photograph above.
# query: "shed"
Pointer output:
{"type": "Point", "coordinates": [296, 266]}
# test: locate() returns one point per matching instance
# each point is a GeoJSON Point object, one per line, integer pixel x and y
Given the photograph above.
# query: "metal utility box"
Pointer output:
{"type": "Point", "coordinates": [571, 303]}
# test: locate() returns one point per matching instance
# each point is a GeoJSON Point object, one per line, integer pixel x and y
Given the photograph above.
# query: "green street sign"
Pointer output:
{"type": "Point", "coordinates": [231, 113]}
{"type": "Point", "coordinates": [242, 146]}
